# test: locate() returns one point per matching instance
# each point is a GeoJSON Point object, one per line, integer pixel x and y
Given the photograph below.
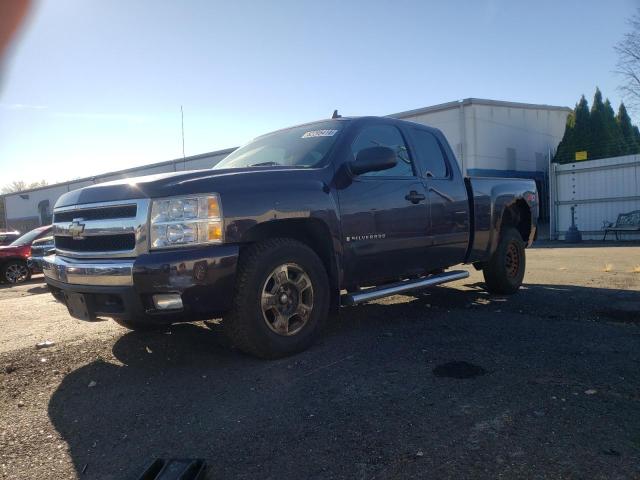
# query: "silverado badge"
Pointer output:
{"type": "Point", "coordinates": [371, 236]}
{"type": "Point", "coordinates": [76, 229]}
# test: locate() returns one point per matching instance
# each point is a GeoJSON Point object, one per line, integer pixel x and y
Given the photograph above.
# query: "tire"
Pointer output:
{"type": "Point", "coordinates": [281, 299]}
{"type": "Point", "coordinates": [504, 272]}
{"type": "Point", "coordinates": [141, 326]}
{"type": "Point", "coordinates": [15, 272]}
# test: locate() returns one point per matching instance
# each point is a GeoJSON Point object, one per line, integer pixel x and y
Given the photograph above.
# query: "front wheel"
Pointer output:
{"type": "Point", "coordinates": [281, 299]}
{"type": "Point", "coordinates": [504, 272]}
{"type": "Point", "coordinates": [15, 271]}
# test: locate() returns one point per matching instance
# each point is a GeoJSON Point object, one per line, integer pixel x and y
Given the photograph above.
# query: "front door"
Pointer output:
{"type": "Point", "coordinates": [384, 214]}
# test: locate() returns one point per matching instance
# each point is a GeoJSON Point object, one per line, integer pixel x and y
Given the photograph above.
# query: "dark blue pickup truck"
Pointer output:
{"type": "Point", "coordinates": [286, 229]}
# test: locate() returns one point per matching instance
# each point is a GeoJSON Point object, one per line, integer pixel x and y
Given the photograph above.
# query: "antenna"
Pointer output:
{"type": "Point", "coordinates": [184, 159]}
{"type": "Point", "coordinates": [335, 114]}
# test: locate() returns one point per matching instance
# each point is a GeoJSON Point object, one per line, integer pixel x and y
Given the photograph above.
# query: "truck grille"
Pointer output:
{"type": "Point", "coordinates": [103, 213]}
{"type": "Point", "coordinates": [103, 243]}
{"type": "Point", "coordinates": [102, 230]}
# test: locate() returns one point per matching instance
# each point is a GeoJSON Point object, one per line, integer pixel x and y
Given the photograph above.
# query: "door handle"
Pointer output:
{"type": "Point", "coordinates": [415, 197]}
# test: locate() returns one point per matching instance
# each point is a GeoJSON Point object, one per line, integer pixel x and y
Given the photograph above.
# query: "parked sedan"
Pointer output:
{"type": "Point", "coordinates": [14, 267]}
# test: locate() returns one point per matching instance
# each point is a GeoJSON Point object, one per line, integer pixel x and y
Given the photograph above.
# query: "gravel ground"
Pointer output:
{"type": "Point", "coordinates": [553, 387]}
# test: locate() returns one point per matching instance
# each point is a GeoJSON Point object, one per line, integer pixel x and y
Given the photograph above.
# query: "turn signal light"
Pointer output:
{"type": "Point", "coordinates": [213, 207]}
{"type": "Point", "coordinates": [214, 232]}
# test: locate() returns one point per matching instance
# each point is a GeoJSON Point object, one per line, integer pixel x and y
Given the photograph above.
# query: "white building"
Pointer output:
{"type": "Point", "coordinates": [490, 138]}
{"type": "Point", "coordinates": [493, 138]}
{"type": "Point", "coordinates": [496, 138]}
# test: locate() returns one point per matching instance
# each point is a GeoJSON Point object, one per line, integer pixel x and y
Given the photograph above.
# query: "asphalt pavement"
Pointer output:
{"type": "Point", "coordinates": [447, 383]}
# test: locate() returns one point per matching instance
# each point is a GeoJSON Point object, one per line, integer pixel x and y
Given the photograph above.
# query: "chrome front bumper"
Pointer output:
{"type": "Point", "coordinates": [95, 272]}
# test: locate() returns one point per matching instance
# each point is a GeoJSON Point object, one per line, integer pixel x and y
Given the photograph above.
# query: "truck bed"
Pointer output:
{"type": "Point", "coordinates": [488, 198]}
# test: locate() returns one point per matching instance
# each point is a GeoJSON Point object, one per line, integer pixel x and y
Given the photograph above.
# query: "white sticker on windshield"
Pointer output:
{"type": "Point", "coordinates": [319, 133]}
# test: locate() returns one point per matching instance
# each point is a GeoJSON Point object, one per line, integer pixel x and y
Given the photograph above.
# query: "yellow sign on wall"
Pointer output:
{"type": "Point", "coordinates": [581, 155]}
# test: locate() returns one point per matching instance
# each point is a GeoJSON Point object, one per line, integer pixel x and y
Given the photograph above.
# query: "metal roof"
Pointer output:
{"type": "Point", "coordinates": [477, 101]}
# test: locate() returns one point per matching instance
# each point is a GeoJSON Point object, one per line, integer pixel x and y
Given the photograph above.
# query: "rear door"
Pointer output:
{"type": "Point", "coordinates": [448, 203]}
{"type": "Point", "coordinates": [384, 214]}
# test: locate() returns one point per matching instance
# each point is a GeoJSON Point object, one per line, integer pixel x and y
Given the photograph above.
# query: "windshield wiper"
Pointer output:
{"type": "Point", "coordinates": [265, 164]}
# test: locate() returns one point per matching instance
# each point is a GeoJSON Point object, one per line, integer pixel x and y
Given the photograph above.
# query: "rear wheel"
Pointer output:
{"type": "Point", "coordinates": [504, 272]}
{"type": "Point", "coordinates": [281, 299]}
{"type": "Point", "coordinates": [15, 271]}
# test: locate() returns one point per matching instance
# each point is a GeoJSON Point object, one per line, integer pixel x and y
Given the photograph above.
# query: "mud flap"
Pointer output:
{"type": "Point", "coordinates": [175, 469]}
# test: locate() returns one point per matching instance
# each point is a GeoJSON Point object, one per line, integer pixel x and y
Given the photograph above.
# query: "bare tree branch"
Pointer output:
{"type": "Point", "coordinates": [19, 185]}
{"type": "Point", "coordinates": [628, 66]}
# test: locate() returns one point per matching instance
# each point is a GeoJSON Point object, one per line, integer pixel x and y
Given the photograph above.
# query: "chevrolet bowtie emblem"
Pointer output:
{"type": "Point", "coordinates": [76, 229]}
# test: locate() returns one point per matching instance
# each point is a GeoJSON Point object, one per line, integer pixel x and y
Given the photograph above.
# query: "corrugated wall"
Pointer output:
{"type": "Point", "coordinates": [599, 190]}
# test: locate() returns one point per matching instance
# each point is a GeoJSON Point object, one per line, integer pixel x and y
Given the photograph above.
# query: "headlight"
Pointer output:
{"type": "Point", "coordinates": [183, 221]}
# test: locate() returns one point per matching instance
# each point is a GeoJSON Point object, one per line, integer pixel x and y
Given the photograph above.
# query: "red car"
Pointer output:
{"type": "Point", "coordinates": [13, 257]}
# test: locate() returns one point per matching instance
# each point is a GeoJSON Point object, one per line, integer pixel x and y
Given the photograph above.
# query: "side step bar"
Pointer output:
{"type": "Point", "coordinates": [399, 287]}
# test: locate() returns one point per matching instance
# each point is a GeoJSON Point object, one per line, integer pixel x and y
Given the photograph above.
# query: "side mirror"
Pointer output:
{"type": "Point", "coordinates": [373, 159]}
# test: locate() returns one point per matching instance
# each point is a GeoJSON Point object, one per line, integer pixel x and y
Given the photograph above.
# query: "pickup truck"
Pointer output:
{"type": "Point", "coordinates": [285, 230]}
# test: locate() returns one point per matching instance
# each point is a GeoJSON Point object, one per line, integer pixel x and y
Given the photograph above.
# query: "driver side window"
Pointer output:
{"type": "Point", "coordinates": [385, 136]}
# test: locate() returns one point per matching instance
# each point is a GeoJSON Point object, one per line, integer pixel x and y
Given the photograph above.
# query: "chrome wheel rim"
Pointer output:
{"type": "Point", "coordinates": [16, 273]}
{"type": "Point", "coordinates": [287, 299]}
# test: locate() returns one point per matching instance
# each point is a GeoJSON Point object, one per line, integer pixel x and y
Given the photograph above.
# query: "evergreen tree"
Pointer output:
{"type": "Point", "coordinates": [598, 131]}
{"type": "Point", "coordinates": [598, 141]}
{"type": "Point", "coordinates": [636, 135]}
{"type": "Point", "coordinates": [628, 138]}
{"type": "Point", "coordinates": [577, 133]}
{"type": "Point", "coordinates": [566, 148]}
{"type": "Point", "coordinates": [582, 128]}
{"type": "Point", "coordinates": [615, 145]}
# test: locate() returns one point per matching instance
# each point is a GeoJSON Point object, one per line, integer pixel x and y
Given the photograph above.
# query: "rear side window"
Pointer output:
{"type": "Point", "coordinates": [430, 154]}
{"type": "Point", "coordinates": [385, 136]}
{"type": "Point", "coordinates": [28, 237]}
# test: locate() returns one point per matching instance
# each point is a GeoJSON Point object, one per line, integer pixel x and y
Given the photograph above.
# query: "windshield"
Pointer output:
{"type": "Point", "coordinates": [304, 146]}
{"type": "Point", "coordinates": [27, 238]}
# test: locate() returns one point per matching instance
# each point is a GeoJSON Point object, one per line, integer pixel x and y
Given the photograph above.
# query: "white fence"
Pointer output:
{"type": "Point", "coordinates": [599, 190]}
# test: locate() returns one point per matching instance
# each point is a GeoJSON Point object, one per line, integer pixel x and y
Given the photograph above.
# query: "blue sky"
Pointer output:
{"type": "Point", "coordinates": [95, 86]}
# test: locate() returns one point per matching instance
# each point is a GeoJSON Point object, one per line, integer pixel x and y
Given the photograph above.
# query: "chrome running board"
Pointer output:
{"type": "Point", "coordinates": [399, 287]}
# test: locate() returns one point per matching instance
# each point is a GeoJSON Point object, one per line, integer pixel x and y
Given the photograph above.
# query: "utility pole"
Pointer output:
{"type": "Point", "coordinates": [184, 158]}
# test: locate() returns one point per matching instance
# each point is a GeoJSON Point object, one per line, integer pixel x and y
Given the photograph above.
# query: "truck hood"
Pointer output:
{"type": "Point", "coordinates": [164, 185]}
